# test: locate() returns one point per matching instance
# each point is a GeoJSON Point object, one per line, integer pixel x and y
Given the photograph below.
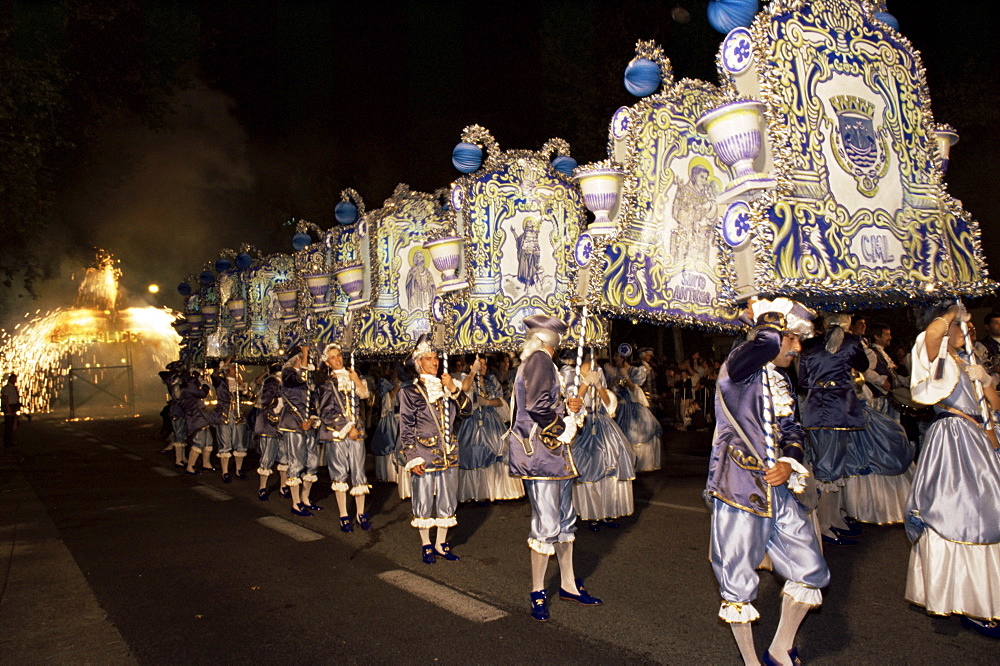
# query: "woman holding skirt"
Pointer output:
{"type": "Point", "coordinates": [634, 417]}
{"type": "Point", "coordinates": [603, 457]}
{"type": "Point", "coordinates": [953, 510]}
{"type": "Point", "coordinates": [483, 473]}
{"type": "Point", "coordinates": [383, 443]}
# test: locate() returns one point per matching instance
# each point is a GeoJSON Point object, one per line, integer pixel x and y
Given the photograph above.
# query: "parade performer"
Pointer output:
{"type": "Point", "coordinates": [831, 415]}
{"type": "Point", "coordinates": [428, 409]}
{"type": "Point", "coordinates": [383, 443]}
{"type": "Point", "coordinates": [952, 511]}
{"type": "Point", "coordinates": [881, 372]}
{"type": "Point", "coordinates": [343, 433]}
{"type": "Point", "coordinates": [754, 474]}
{"type": "Point", "coordinates": [269, 441]}
{"type": "Point", "coordinates": [230, 428]}
{"type": "Point", "coordinates": [543, 427]}
{"type": "Point", "coordinates": [295, 427]}
{"type": "Point", "coordinates": [174, 381]}
{"type": "Point", "coordinates": [483, 471]}
{"type": "Point", "coordinates": [634, 416]}
{"type": "Point", "coordinates": [198, 421]}
{"type": "Point", "coordinates": [602, 455]}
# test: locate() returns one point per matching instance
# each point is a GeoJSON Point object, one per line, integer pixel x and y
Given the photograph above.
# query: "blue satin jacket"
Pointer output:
{"type": "Point", "coordinates": [736, 470]}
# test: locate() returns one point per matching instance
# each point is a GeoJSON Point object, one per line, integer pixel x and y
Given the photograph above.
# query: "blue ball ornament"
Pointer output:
{"type": "Point", "coordinates": [725, 15]}
{"type": "Point", "coordinates": [467, 157]}
{"type": "Point", "coordinates": [243, 261]}
{"type": "Point", "coordinates": [642, 77]}
{"type": "Point", "coordinates": [184, 289]}
{"type": "Point", "coordinates": [888, 19]}
{"type": "Point", "coordinates": [345, 212]}
{"type": "Point", "coordinates": [223, 265]}
{"type": "Point", "coordinates": [564, 164]}
{"type": "Point", "coordinates": [300, 241]}
{"type": "Point", "coordinates": [206, 278]}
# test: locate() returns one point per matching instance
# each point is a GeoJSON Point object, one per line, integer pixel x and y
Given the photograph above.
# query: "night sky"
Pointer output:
{"type": "Point", "coordinates": [295, 101]}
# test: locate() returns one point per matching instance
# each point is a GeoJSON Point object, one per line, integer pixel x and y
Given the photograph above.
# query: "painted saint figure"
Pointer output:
{"type": "Point", "coordinates": [419, 283]}
{"type": "Point", "coordinates": [694, 211]}
{"type": "Point", "coordinates": [529, 253]}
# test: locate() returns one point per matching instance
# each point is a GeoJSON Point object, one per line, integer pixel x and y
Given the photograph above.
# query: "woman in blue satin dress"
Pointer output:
{"type": "Point", "coordinates": [953, 510]}
{"type": "Point", "coordinates": [603, 457]}
{"type": "Point", "coordinates": [383, 443]}
{"type": "Point", "coordinates": [482, 456]}
{"type": "Point", "coordinates": [634, 416]}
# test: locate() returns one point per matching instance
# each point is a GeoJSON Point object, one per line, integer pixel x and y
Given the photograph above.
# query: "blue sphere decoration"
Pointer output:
{"type": "Point", "coordinates": [345, 212]}
{"type": "Point", "coordinates": [206, 278]}
{"type": "Point", "coordinates": [888, 19]}
{"type": "Point", "coordinates": [184, 289]}
{"type": "Point", "coordinates": [642, 77]}
{"type": "Point", "coordinates": [725, 15]}
{"type": "Point", "coordinates": [243, 261]}
{"type": "Point", "coordinates": [467, 157]}
{"type": "Point", "coordinates": [564, 164]}
{"type": "Point", "coordinates": [300, 241]}
{"type": "Point", "coordinates": [223, 265]}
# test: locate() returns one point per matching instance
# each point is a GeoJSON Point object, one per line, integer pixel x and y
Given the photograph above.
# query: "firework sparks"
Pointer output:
{"type": "Point", "coordinates": [42, 350]}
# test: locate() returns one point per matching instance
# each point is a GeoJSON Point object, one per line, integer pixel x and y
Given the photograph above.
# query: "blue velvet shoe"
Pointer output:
{"type": "Point", "coordinates": [241, 475]}
{"type": "Point", "coordinates": [989, 628]}
{"type": "Point", "coordinates": [300, 510]}
{"type": "Point", "coordinates": [607, 522]}
{"type": "Point", "coordinates": [285, 492]}
{"type": "Point", "coordinates": [364, 521]}
{"type": "Point", "coordinates": [839, 541]}
{"type": "Point", "coordinates": [583, 598]}
{"type": "Point", "coordinates": [226, 478]}
{"type": "Point", "coordinates": [444, 551]}
{"type": "Point", "coordinates": [428, 554]}
{"type": "Point", "coordinates": [540, 606]}
{"type": "Point", "coordinates": [262, 495]}
{"type": "Point", "coordinates": [793, 655]}
{"type": "Point", "coordinates": [850, 532]}
{"type": "Point", "coordinates": [313, 507]}
{"type": "Point", "coordinates": [593, 526]}
{"type": "Point", "coordinates": [346, 524]}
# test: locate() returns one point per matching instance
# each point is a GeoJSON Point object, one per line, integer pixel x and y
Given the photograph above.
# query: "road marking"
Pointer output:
{"type": "Point", "coordinates": [451, 600]}
{"type": "Point", "coordinates": [163, 471]}
{"type": "Point", "coordinates": [110, 447]}
{"type": "Point", "coordinates": [212, 493]}
{"type": "Point", "coordinates": [132, 456]}
{"type": "Point", "coordinates": [696, 509]}
{"type": "Point", "coordinates": [288, 528]}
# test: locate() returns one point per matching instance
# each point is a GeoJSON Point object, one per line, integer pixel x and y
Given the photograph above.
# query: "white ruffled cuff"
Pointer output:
{"type": "Point", "coordinates": [810, 596]}
{"type": "Point", "coordinates": [570, 432]}
{"type": "Point", "coordinates": [735, 612]}
{"type": "Point", "coordinates": [422, 523]}
{"type": "Point", "coordinates": [797, 481]}
{"type": "Point", "coordinates": [413, 463]}
{"type": "Point", "coordinates": [541, 547]}
{"type": "Point", "coordinates": [339, 486]}
{"type": "Point", "coordinates": [360, 490]}
{"type": "Point", "coordinates": [450, 521]}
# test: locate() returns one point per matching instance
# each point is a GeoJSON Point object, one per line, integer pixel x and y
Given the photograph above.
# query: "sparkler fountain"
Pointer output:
{"type": "Point", "coordinates": [93, 342]}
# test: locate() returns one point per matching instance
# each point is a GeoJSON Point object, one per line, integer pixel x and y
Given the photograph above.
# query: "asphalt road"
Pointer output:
{"type": "Point", "coordinates": [109, 556]}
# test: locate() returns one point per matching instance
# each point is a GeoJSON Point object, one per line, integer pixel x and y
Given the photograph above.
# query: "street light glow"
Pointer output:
{"type": "Point", "coordinates": [154, 288]}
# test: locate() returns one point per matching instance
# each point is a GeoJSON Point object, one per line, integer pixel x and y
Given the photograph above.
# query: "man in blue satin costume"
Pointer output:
{"type": "Point", "coordinates": [428, 409]}
{"type": "Point", "coordinates": [832, 414]}
{"type": "Point", "coordinates": [755, 468]}
{"type": "Point", "coordinates": [542, 430]}
{"type": "Point", "coordinates": [198, 421]}
{"type": "Point", "coordinates": [296, 426]}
